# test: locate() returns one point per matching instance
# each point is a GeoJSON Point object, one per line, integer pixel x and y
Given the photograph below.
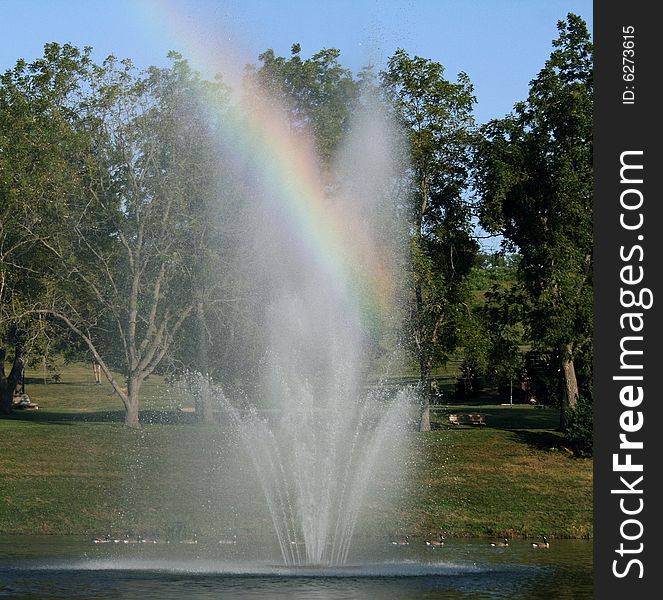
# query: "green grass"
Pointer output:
{"type": "Point", "coordinates": [513, 477]}
{"type": "Point", "coordinates": [72, 467]}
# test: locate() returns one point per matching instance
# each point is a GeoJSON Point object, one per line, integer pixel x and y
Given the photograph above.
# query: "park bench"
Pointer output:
{"type": "Point", "coordinates": [467, 419]}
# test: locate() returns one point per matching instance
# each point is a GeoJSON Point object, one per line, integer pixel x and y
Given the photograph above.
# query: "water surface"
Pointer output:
{"type": "Point", "coordinates": [66, 567]}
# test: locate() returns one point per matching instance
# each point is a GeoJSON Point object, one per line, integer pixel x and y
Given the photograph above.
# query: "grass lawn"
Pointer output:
{"type": "Point", "coordinates": [72, 467]}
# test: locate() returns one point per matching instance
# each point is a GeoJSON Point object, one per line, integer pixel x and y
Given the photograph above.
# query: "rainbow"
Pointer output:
{"type": "Point", "coordinates": [331, 233]}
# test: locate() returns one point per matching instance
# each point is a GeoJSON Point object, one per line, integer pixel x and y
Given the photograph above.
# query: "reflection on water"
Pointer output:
{"type": "Point", "coordinates": [62, 567]}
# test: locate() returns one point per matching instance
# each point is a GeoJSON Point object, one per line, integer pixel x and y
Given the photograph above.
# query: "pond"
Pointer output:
{"type": "Point", "coordinates": [34, 567]}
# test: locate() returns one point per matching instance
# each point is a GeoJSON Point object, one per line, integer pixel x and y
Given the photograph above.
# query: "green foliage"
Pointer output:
{"type": "Point", "coordinates": [543, 379]}
{"type": "Point", "coordinates": [111, 212]}
{"type": "Point", "coordinates": [475, 355]}
{"type": "Point", "coordinates": [500, 317]}
{"type": "Point", "coordinates": [469, 384]}
{"type": "Point", "coordinates": [534, 176]}
{"type": "Point", "coordinates": [319, 93]}
{"type": "Point", "coordinates": [106, 191]}
{"type": "Point", "coordinates": [436, 116]}
{"type": "Point", "coordinates": [579, 432]}
{"type": "Point", "coordinates": [492, 269]}
{"type": "Point", "coordinates": [41, 143]}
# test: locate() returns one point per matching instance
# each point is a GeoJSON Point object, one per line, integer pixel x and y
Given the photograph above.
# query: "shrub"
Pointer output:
{"type": "Point", "coordinates": [579, 431]}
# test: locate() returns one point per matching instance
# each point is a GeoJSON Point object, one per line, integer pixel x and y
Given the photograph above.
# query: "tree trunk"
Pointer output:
{"type": "Point", "coordinates": [96, 369]}
{"type": "Point", "coordinates": [132, 403]}
{"type": "Point", "coordinates": [6, 396]}
{"type": "Point", "coordinates": [204, 411]}
{"type": "Point", "coordinates": [424, 390]}
{"type": "Point", "coordinates": [8, 383]}
{"type": "Point", "coordinates": [570, 384]}
{"type": "Point", "coordinates": [424, 362]}
{"type": "Point", "coordinates": [424, 424]}
{"type": "Point", "coordinates": [427, 342]}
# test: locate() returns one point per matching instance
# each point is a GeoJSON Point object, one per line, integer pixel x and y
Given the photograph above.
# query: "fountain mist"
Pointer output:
{"type": "Point", "coordinates": [323, 264]}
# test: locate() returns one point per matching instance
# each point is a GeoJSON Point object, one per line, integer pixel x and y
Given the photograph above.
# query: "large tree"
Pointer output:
{"type": "Point", "coordinates": [534, 177]}
{"type": "Point", "coordinates": [318, 93]}
{"type": "Point", "coordinates": [437, 118]}
{"type": "Point", "coordinates": [123, 278]}
{"type": "Point", "coordinates": [40, 139]}
{"type": "Point", "coordinates": [194, 129]}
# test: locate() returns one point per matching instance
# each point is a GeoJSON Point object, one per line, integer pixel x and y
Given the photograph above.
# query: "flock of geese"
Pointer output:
{"type": "Point", "coordinates": [403, 541]}
{"type": "Point", "coordinates": [439, 542]}
{"type": "Point", "coordinates": [141, 540]}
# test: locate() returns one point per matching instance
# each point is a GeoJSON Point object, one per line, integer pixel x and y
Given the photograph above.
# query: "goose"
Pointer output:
{"type": "Point", "coordinates": [193, 540]}
{"type": "Point", "coordinates": [404, 541]}
{"type": "Point", "coordinates": [131, 540]}
{"type": "Point", "coordinates": [232, 540]}
{"type": "Point", "coordinates": [543, 544]}
{"type": "Point", "coordinates": [503, 544]}
{"type": "Point", "coordinates": [104, 540]}
{"type": "Point", "coordinates": [436, 543]}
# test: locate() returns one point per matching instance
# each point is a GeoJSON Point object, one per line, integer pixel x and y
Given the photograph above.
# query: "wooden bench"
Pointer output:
{"type": "Point", "coordinates": [477, 419]}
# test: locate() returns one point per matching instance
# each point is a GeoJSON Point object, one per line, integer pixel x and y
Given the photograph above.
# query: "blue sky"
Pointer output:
{"type": "Point", "coordinates": [500, 44]}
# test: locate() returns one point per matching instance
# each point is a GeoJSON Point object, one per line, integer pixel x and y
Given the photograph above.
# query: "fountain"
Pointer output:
{"type": "Point", "coordinates": [325, 258]}
{"type": "Point", "coordinates": [314, 456]}
{"type": "Point", "coordinates": [326, 262]}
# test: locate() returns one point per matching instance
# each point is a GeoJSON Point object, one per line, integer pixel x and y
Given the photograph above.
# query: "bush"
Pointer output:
{"type": "Point", "coordinates": [579, 431]}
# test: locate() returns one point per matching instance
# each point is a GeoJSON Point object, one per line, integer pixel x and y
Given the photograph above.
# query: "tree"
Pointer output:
{"type": "Point", "coordinates": [113, 220]}
{"type": "Point", "coordinates": [437, 117]}
{"type": "Point", "coordinates": [38, 137]}
{"type": "Point", "coordinates": [215, 203]}
{"type": "Point", "coordinates": [534, 177]}
{"type": "Point", "coordinates": [190, 134]}
{"type": "Point", "coordinates": [502, 318]}
{"type": "Point", "coordinates": [124, 279]}
{"type": "Point", "coordinates": [318, 93]}
{"type": "Point", "coordinates": [319, 104]}
{"type": "Point", "coordinates": [9, 381]}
